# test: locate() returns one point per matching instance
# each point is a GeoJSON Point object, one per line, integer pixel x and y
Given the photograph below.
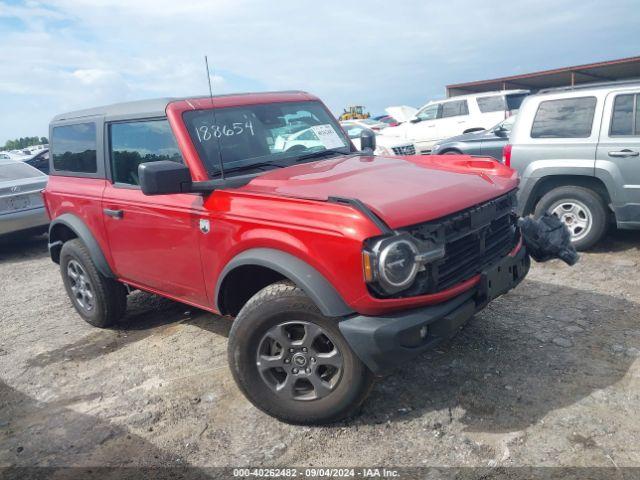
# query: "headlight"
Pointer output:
{"type": "Point", "coordinates": [392, 263]}
{"type": "Point", "coordinates": [380, 150]}
{"type": "Point", "coordinates": [397, 265]}
{"type": "Point", "coordinates": [435, 147]}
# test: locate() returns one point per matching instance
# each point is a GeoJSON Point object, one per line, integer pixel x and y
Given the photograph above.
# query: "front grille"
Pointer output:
{"type": "Point", "coordinates": [404, 150]}
{"type": "Point", "coordinates": [474, 239]}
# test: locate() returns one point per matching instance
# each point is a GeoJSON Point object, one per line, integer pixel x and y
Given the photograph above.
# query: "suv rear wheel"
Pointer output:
{"type": "Point", "coordinates": [582, 210]}
{"type": "Point", "coordinates": [99, 300]}
{"type": "Point", "coordinates": [292, 362]}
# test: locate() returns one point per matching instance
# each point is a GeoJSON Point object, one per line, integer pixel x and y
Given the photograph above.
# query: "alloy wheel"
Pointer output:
{"type": "Point", "coordinates": [299, 361]}
{"type": "Point", "coordinates": [83, 291]}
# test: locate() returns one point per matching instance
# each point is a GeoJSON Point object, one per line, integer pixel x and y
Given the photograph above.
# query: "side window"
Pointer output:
{"type": "Point", "coordinates": [566, 118]}
{"type": "Point", "coordinates": [625, 116]}
{"type": "Point", "coordinates": [133, 143]}
{"type": "Point", "coordinates": [429, 113]}
{"type": "Point", "coordinates": [491, 104]}
{"type": "Point", "coordinates": [455, 109]}
{"type": "Point", "coordinates": [74, 148]}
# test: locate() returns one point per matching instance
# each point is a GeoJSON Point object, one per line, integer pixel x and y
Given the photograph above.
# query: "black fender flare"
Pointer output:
{"type": "Point", "coordinates": [80, 229]}
{"type": "Point", "coordinates": [314, 284]}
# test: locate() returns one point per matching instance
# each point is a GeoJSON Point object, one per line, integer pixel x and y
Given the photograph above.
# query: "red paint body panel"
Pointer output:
{"type": "Point", "coordinates": [401, 190]}
{"type": "Point", "coordinates": [157, 244]}
{"type": "Point", "coordinates": [81, 197]}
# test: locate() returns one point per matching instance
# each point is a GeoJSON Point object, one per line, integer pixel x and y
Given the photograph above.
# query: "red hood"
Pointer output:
{"type": "Point", "coordinates": [401, 190]}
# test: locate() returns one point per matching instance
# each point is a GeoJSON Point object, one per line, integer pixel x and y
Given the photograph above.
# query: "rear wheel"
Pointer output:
{"type": "Point", "coordinates": [582, 210]}
{"type": "Point", "coordinates": [292, 362]}
{"type": "Point", "coordinates": [99, 300]}
{"type": "Point", "coordinates": [452, 152]}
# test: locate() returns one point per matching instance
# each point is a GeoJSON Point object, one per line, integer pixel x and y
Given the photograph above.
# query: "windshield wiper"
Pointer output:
{"type": "Point", "coordinates": [251, 166]}
{"type": "Point", "coordinates": [321, 153]}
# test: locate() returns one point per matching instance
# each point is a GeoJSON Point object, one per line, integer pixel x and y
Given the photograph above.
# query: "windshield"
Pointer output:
{"type": "Point", "coordinates": [430, 112]}
{"type": "Point", "coordinates": [266, 134]}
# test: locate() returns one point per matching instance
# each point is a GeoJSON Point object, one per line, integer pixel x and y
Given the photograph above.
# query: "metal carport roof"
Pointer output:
{"type": "Point", "coordinates": [612, 70]}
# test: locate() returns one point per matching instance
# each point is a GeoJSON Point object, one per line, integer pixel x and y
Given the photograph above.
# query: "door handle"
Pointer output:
{"type": "Point", "coordinates": [624, 153]}
{"type": "Point", "coordinates": [114, 213]}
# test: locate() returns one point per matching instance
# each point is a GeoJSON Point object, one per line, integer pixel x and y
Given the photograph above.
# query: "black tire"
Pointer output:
{"type": "Point", "coordinates": [589, 200]}
{"type": "Point", "coordinates": [272, 306]}
{"type": "Point", "coordinates": [109, 296]}
{"type": "Point", "coordinates": [452, 152]}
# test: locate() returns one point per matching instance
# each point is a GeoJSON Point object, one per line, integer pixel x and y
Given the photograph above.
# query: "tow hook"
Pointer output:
{"type": "Point", "coordinates": [546, 238]}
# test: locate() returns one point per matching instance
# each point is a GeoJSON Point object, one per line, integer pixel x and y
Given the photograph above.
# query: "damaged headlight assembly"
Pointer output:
{"type": "Point", "coordinates": [391, 264]}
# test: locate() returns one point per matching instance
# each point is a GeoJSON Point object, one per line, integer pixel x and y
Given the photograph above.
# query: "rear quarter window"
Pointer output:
{"type": "Point", "coordinates": [491, 104]}
{"type": "Point", "coordinates": [564, 118]}
{"type": "Point", "coordinates": [73, 148]}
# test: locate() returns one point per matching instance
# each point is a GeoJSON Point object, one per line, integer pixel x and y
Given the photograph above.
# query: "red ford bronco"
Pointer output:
{"type": "Point", "coordinates": [336, 264]}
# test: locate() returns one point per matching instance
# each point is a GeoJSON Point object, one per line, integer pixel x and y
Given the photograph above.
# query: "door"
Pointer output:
{"type": "Point", "coordinates": [423, 129]}
{"type": "Point", "coordinates": [619, 149]}
{"type": "Point", "coordinates": [154, 240]}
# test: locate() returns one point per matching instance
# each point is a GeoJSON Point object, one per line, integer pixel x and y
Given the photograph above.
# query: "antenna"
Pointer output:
{"type": "Point", "coordinates": [206, 63]}
{"type": "Point", "coordinates": [213, 113]}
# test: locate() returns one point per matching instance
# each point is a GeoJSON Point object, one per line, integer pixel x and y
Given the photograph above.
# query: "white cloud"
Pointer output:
{"type": "Point", "coordinates": [71, 54]}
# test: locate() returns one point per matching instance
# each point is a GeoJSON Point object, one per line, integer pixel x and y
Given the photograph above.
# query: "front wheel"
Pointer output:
{"type": "Point", "coordinates": [582, 210]}
{"type": "Point", "coordinates": [292, 362]}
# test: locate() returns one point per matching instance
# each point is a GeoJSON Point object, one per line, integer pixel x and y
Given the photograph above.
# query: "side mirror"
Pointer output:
{"type": "Point", "coordinates": [501, 132]}
{"type": "Point", "coordinates": [415, 120]}
{"type": "Point", "coordinates": [367, 141]}
{"type": "Point", "coordinates": [164, 177]}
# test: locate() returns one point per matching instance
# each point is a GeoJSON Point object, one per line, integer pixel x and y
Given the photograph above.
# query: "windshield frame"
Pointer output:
{"type": "Point", "coordinates": [276, 160]}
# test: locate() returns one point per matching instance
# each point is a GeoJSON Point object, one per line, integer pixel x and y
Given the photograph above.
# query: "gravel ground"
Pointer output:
{"type": "Point", "coordinates": [547, 375]}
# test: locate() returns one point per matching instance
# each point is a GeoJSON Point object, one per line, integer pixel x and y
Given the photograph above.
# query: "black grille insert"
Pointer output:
{"type": "Point", "coordinates": [474, 239]}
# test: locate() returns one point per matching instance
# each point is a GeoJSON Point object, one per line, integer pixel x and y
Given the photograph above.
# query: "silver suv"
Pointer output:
{"type": "Point", "coordinates": [577, 152]}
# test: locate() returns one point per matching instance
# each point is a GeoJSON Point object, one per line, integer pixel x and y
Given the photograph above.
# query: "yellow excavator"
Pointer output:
{"type": "Point", "coordinates": [354, 112]}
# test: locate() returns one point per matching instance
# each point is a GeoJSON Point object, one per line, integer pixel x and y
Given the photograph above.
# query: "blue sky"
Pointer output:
{"type": "Point", "coordinates": [67, 54]}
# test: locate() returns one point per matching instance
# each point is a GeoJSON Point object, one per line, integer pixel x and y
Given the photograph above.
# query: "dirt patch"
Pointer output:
{"type": "Point", "coordinates": [547, 375]}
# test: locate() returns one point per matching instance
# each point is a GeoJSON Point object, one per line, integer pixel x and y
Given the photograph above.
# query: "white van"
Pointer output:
{"type": "Point", "coordinates": [441, 119]}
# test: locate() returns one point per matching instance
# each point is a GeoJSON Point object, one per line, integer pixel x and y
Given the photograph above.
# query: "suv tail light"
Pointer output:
{"type": "Point", "coordinates": [506, 154]}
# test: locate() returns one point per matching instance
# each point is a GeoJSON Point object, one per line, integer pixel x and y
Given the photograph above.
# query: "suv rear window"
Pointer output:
{"type": "Point", "coordinates": [625, 119]}
{"type": "Point", "coordinates": [564, 118]}
{"type": "Point", "coordinates": [133, 143]}
{"type": "Point", "coordinates": [17, 171]}
{"type": "Point", "coordinates": [454, 109]}
{"type": "Point", "coordinates": [74, 148]}
{"type": "Point", "coordinates": [491, 104]}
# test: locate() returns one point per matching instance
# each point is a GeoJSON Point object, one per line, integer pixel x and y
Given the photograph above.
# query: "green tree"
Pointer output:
{"type": "Point", "coordinates": [24, 142]}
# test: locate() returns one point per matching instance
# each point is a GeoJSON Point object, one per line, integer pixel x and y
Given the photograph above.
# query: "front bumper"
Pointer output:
{"type": "Point", "coordinates": [23, 220]}
{"type": "Point", "coordinates": [385, 342]}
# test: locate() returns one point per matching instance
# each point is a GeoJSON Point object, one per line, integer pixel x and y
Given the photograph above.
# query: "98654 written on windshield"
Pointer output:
{"type": "Point", "coordinates": [264, 134]}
